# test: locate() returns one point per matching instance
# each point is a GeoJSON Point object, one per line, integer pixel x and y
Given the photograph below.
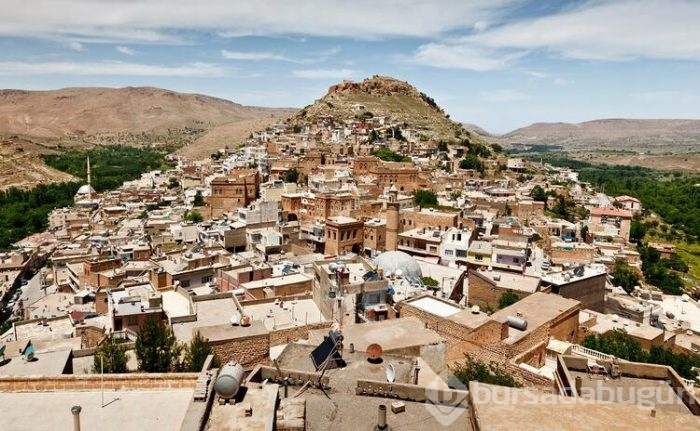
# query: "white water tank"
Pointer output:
{"type": "Point", "coordinates": [229, 381]}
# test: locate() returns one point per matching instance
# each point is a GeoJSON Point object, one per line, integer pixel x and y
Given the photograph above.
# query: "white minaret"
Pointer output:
{"type": "Point", "coordinates": [89, 180]}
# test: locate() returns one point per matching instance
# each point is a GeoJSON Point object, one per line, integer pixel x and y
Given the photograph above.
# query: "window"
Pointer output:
{"type": "Point", "coordinates": [461, 253]}
{"type": "Point", "coordinates": [479, 258]}
{"type": "Point", "coordinates": [184, 284]}
{"type": "Point", "coordinates": [449, 253]}
{"type": "Point", "coordinates": [206, 279]}
{"type": "Point", "coordinates": [133, 320]}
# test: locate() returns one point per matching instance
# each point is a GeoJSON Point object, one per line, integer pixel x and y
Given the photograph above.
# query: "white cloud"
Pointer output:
{"type": "Point", "coordinates": [254, 56]}
{"type": "Point", "coordinates": [76, 46]}
{"type": "Point", "coordinates": [324, 73]}
{"type": "Point", "coordinates": [116, 68]}
{"type": "Point", "coordinates": [125, 50]}
{"type": "Point", "coordinates": [501, 96]}
{"type": "Point", "coordinates": [156, 21]}
{"type": "Point", "coordinates": [458, 56]}
{"type": "Point", "coordinates": [598, 30]}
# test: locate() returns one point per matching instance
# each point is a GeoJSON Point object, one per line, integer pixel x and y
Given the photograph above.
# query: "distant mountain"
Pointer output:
{"type": "Point", "coordinates": [37, 122]}
{"type": "Point", "coordinates": [383, 96]}
{"type": "Point", "coordinates": [86, 111]}
{"type": "Point", "coordinates": [617, 134]}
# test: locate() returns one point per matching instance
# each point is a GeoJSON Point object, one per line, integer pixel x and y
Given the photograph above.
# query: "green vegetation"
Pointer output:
{"type": "Point", "coordinates": [111, 165]}
{"type": "Point", "coordinates": [291, 176]}
{"type": "Point", "coordinates": [471, 161]}
{"type": "Point", "coordinates": [507, 299]}
{"type": "Point", "coordinates": [25, 212]}
{"type": "Point", "coordinates": [676, 198]}
{"type": "Point", "coordinates": [198, 199]}
{"type": "Point", "coordinates": [497, 148]}
{"type": "Point", "coordinates": [422, 197]}
{"type": "Point", "coordinates": [475, 370]}
{"type": "Point", "coordinates": [625, 276]}
{"type": "Point", "coordinates": [623, 346]}
{"type": "Point", "coordinates": [662, 273]}
{"type": "Point", "coordinates": [157, 350]}
{"type": "Point", "coordinates": [389, 156]}
{"type": "Point", "coordinates": [194, 217]}
{"type": "Point", "coordinates": [566, 208]}
{"type": "Point", "coordinates": [110, 357]}
{"type": "Point", "coordinates": [429, 282]}
{"type": "Point", "coordinates": [196, 353]}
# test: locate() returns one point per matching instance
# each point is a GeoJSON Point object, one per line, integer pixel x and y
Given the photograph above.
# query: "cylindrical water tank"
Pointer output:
{"type": "Point", "coordinates": [229, 380]}
{"type": "Point", "coordinates": [517, 323]}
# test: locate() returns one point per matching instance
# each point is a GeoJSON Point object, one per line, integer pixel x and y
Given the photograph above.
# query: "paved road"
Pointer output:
{"type": "Point", "coordinates": [32, 291]}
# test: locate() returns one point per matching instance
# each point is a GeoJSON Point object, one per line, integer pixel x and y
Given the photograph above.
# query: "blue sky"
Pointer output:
{"type": "Point", "coordinates": [501, 64]}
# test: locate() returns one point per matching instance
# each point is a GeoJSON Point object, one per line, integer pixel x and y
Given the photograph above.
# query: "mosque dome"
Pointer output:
{"type": "Point", "coordinates": [85, 189]}
{"type": "Point", "coordinates": [391, 261]}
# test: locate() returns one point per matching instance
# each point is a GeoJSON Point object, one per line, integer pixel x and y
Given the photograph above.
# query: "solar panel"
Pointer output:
{"type": "Point", "coordinates": [328, 351]}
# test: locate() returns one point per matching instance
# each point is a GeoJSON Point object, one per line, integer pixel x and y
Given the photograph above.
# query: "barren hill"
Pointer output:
{"type": "Point", "coordinates": [384, 96]}
{"type": "Point", "coordinates": [86, 111]}
{"type": "Point", "coordinates": [618, 134]}
{"type": "Point", "coordinates": [35, 122]}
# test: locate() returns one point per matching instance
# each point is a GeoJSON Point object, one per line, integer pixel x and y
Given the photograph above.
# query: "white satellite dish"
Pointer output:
{"type": "Point", "coordinates": [390, 373]}
{"type": "Point", "coordinates": [398, 273]}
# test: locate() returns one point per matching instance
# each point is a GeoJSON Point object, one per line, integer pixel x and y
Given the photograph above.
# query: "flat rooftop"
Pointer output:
{"type": "Point", "coordinates": [347, 411]}
{"type": "Point", "coordinates": [175, 304]}
{"type": "Point", "coordinates": [512, 280]}
{"type": "Point", "coordinates": [283, 280]}
{"type": "Point", "coordinates": [435, 306]}
{"type": "Point", "coordinates": [529, 410]}
{"type": "Point", "coordinates": [289, 314]}
{"type": "Point", "coordinates": [127, 410]}
{"type": "Point", "coordinates": [210, 312]}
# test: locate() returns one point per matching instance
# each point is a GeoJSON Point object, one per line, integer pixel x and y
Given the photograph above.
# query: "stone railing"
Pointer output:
{"type": "Point", "coordinates": [590, 353]}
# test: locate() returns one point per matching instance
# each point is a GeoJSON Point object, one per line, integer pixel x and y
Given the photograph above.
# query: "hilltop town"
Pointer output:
{"type": "Point", "coordinates": [329, 272]}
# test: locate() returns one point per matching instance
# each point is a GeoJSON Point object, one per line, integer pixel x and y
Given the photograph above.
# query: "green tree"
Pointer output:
{"type": "Point", "coordinates": [442, 146]}
{"type": "Point", "coordinates": [625, 276]}
{"type": "Point", "coordinates": [491, 373]}
{"type": "Point", "coordinates": [507, 299]}
{"type": "Point", "coordinates": [616, 343]}
{"type": "Point", "coordinates": [389, 156]}
{"type": "Point", "coordinates": [471, 161]}
{"type": "Point", "coordinates": [157, 350]}
{"type": "Point", "coordinates": [423, 197]}
{"type": "Point", "coordinates": [110, 357]}
{"type": "Point", "coordinates": [429, 282]}
{"type": "Point", "coordinates": [538, 194]}
{"type": "Point", "coordinates": [497, 148]}
{"type": "Point", "coordinates": [198, 199]}
{"type": "Point", "coordinates": [637, 231]}
{"type": "Point", "coordinates": [291, 176]}
{"type": "Point", "coordinates": [194, 217]}
{"type": "Point", "coordinates": [584, 232]}
{"type": "Point", "coordinates": [196, 353]}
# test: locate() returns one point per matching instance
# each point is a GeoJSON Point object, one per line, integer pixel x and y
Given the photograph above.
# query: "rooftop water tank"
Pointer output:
{"type": "Point", "coordinates": [517, 323]}
{"type": "Point", "coordinates": [229, 381]}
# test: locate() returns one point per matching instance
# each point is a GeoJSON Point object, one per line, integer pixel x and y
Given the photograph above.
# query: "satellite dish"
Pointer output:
{"type": "Point", "coordinates": [398, 273]}
{"type": "Point", "coordinates": [390, 373]}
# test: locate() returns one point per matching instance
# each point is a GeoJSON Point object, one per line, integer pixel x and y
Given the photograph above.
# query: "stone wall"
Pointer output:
{"type": "Point", "coordinates": [295, 333]}
{"type": "Point", "coordinates": [248, 351]}
{"type": "Point", "coordinates": [486, 294]}
{"type": "Point", "coordinates": [93, 382]}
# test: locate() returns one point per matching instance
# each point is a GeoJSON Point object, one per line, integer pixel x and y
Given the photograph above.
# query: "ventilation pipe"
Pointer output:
{"type": "Point", "coordinates": [381, 418]}
{"type": "Point", "coordinates": [76, 417]}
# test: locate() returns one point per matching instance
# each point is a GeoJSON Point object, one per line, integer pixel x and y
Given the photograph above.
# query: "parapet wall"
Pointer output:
{"type": "Point", "coordinates": [95, 382]}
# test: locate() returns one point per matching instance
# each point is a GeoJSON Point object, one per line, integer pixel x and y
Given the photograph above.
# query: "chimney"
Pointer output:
{"type": "Point", "coordinates": [381, 418]}
{"type": "Point", "coordinates": [579, 383]}
{"type": "Point", "coordinates": [76, 417]}
{"type": "Point", "coordinates": [415, 375]}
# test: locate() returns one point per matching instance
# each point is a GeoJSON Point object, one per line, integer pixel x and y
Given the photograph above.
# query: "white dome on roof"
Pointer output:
{"type": "Point", "coordinates": [392, 261]}
{"type": "Point", "coordinates": [85, 189]}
